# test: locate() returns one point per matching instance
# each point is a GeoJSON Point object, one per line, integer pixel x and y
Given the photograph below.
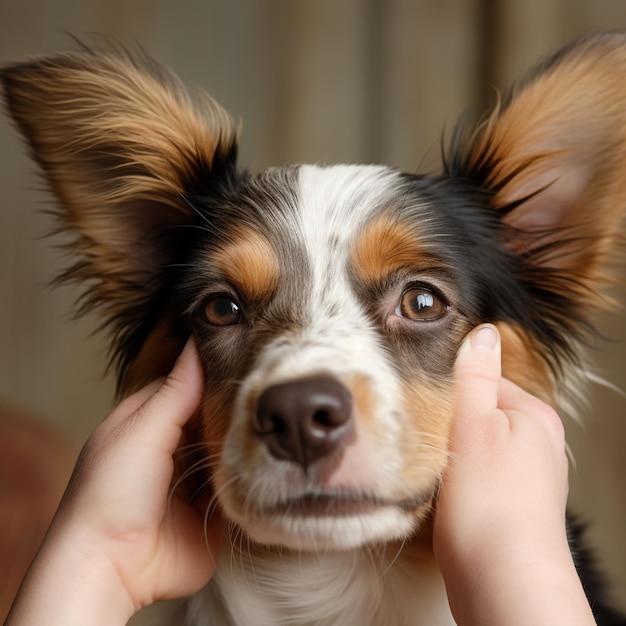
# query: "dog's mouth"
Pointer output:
{"type": "Point", "coordinates": [344, 505]}
{"type": "Point", "coordinates": [335, 520]}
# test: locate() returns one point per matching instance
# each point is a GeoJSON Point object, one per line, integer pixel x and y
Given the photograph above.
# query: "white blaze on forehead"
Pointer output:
{"type": "Point", "coordinates": [338, 337]}
{"type": "Point", "coordinates": [334, 203]}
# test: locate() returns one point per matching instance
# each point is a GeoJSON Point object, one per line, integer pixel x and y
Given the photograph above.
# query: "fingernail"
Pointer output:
{"type": "Point", "coordinates": [486, 337]}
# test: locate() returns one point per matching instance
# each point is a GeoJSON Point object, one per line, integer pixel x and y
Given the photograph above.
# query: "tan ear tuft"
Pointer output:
{"type": "Point", "coordinates": [108, 127]}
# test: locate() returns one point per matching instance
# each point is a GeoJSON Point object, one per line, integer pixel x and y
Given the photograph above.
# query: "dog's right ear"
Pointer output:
{"type": "Point", "coordinates": [123, 146]}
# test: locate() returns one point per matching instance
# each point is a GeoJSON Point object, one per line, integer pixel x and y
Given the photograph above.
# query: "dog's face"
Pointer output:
{"type": "Point", "coordinates": [328, 303]}
{"type": "Point", "coordinates": [328, 314]}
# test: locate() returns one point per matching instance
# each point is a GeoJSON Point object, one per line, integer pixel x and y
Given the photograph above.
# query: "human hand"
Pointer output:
{"type": "Point", "coordinates": [508, 467]}
{"type": "Point", "coordinates": [499, 531]}
{"type": "Point", "coordinates": [119, 534]}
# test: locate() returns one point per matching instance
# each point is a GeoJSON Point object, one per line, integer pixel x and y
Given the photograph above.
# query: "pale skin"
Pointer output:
{"type": "Point", "coordinates": [499, 533]}
{"type": "Point", "coordinates": [118, 542]}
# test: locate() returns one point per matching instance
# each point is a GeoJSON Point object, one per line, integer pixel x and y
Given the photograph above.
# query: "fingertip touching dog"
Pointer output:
{"type": "Point", "coordinates": [328, 304]}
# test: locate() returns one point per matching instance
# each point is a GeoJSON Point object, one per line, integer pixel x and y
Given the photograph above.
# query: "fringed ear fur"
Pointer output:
{"type": "Point", "coordinates": [122, 144]}
{"type": "Point", "coordinates": [553, 156]}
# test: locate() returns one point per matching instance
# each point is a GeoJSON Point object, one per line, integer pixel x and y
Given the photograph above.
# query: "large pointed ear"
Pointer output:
{"type": "Point", "coordinates": [123, 145]}
{"type": "Point", "coordinates": [552, 161]}
{"type": "Point", "coordinates": [553, 157]}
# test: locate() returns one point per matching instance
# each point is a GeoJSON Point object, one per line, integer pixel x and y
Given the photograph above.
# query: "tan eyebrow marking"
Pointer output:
{"type": "Point", "coordinates": [250, 263]}
{"type": "Point", "coordinates": [385, 246]}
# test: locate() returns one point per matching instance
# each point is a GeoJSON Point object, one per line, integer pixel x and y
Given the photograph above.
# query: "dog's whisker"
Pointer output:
{"type": "Point", "coordinates": [199, 227]}
{"type": "Point", "coordinates": [190, 448]}
{"type": "Point", "coordinates": [394, 559]}
{"type": "Point", "coordinates": [197, 211]}
{"type": "Point", "coordinates": [200, 466]}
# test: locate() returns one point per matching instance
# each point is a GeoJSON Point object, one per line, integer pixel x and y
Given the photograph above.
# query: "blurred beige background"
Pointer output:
{"type": "Point", "coordinates": [333, 80]}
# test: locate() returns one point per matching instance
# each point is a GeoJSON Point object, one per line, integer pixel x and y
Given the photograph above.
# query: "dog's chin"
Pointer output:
{"type": "Point", "coordinates": [327, 523]}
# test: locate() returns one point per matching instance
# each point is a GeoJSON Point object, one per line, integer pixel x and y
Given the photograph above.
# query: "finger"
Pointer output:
{"type": "Point", "coordinates": [148, 437]}
{"type": "Point", "coordinates": [131, 404]}
{"type": "Point", "coordinates": [516, 401]}
{"type": "Point", "coordinates": [512, 397]}
{"type": "Point", "coordinates": [181, 393]}
{"type": "Point", "coordinates": [198, 541]}
{"type": "Point", "coordinates": [478, 372]}
{"type": "Point", "coordinates": [134, 402]}
{"type": "Point", "coordinates": [168, 405]}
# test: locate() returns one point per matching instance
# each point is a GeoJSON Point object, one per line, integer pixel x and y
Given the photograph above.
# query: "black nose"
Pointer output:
{"type": "Point", "coordinates": [304, 420]}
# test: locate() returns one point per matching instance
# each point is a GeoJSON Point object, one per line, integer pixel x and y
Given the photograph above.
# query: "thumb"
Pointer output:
{"type": "Point", "coordinates": [181, 392]}
{"type": "Point", "coordinates": [477, 372]}
{"type": "Point", "coordinates": [184, 385]}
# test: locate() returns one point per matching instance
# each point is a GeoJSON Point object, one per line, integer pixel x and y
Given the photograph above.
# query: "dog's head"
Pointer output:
{"type": "Point", "coordinates": [328, 303]}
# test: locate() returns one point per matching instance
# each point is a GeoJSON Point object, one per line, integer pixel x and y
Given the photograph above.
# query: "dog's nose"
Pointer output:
{"type": "Point", "coordinates": [304, 420]}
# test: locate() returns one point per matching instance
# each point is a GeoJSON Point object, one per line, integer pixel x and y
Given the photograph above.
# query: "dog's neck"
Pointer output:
{"type": "Point", "coordinates": [384, 585]}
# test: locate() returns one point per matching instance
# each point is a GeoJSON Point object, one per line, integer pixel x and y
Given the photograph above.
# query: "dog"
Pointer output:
{"type": "Point", "coordinates": [328, 304]}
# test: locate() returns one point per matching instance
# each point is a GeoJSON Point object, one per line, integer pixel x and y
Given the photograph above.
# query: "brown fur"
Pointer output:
{"type": "Point", "coordinates": [385, 247]}
{"type": "Point", "coordinates": [562, 162]}
{"type": "Point", "coordinates": [249, 263]}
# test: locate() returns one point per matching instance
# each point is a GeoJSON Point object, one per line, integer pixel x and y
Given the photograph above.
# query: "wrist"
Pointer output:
{"type": "Point", "coordinates": [491, 541]}
{"type": "Point", "coordinates": [71, 583]}
{"type": "Point", "coordinates": [519, 584]}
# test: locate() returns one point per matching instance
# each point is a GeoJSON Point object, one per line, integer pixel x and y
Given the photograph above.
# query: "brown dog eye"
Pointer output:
{"type": "Point", "coordinates": [422, 305]}
{"type": "Point", "coordinates": [222, 311]}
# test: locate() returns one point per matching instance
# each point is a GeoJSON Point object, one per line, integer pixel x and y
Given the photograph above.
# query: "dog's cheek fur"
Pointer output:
{"type": "Point", "coordinates": [155, 358]}
{"type": "Point", "coordinates": [216, 411]}
{"type": "Point", "coordinates": [523, 364]}
{"type": "Point", "coordinates": [424, 448]}
{"type": "Point", "coordinates": [425, 366]}
{"type": "Point", "coordinates": [424, 362]}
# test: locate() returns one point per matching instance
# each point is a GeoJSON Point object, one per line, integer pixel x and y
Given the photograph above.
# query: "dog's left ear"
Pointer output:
{"type": "Point", "coordinates": [553, 158]}
{"type": "Point", "coordinates": [123, 146]}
